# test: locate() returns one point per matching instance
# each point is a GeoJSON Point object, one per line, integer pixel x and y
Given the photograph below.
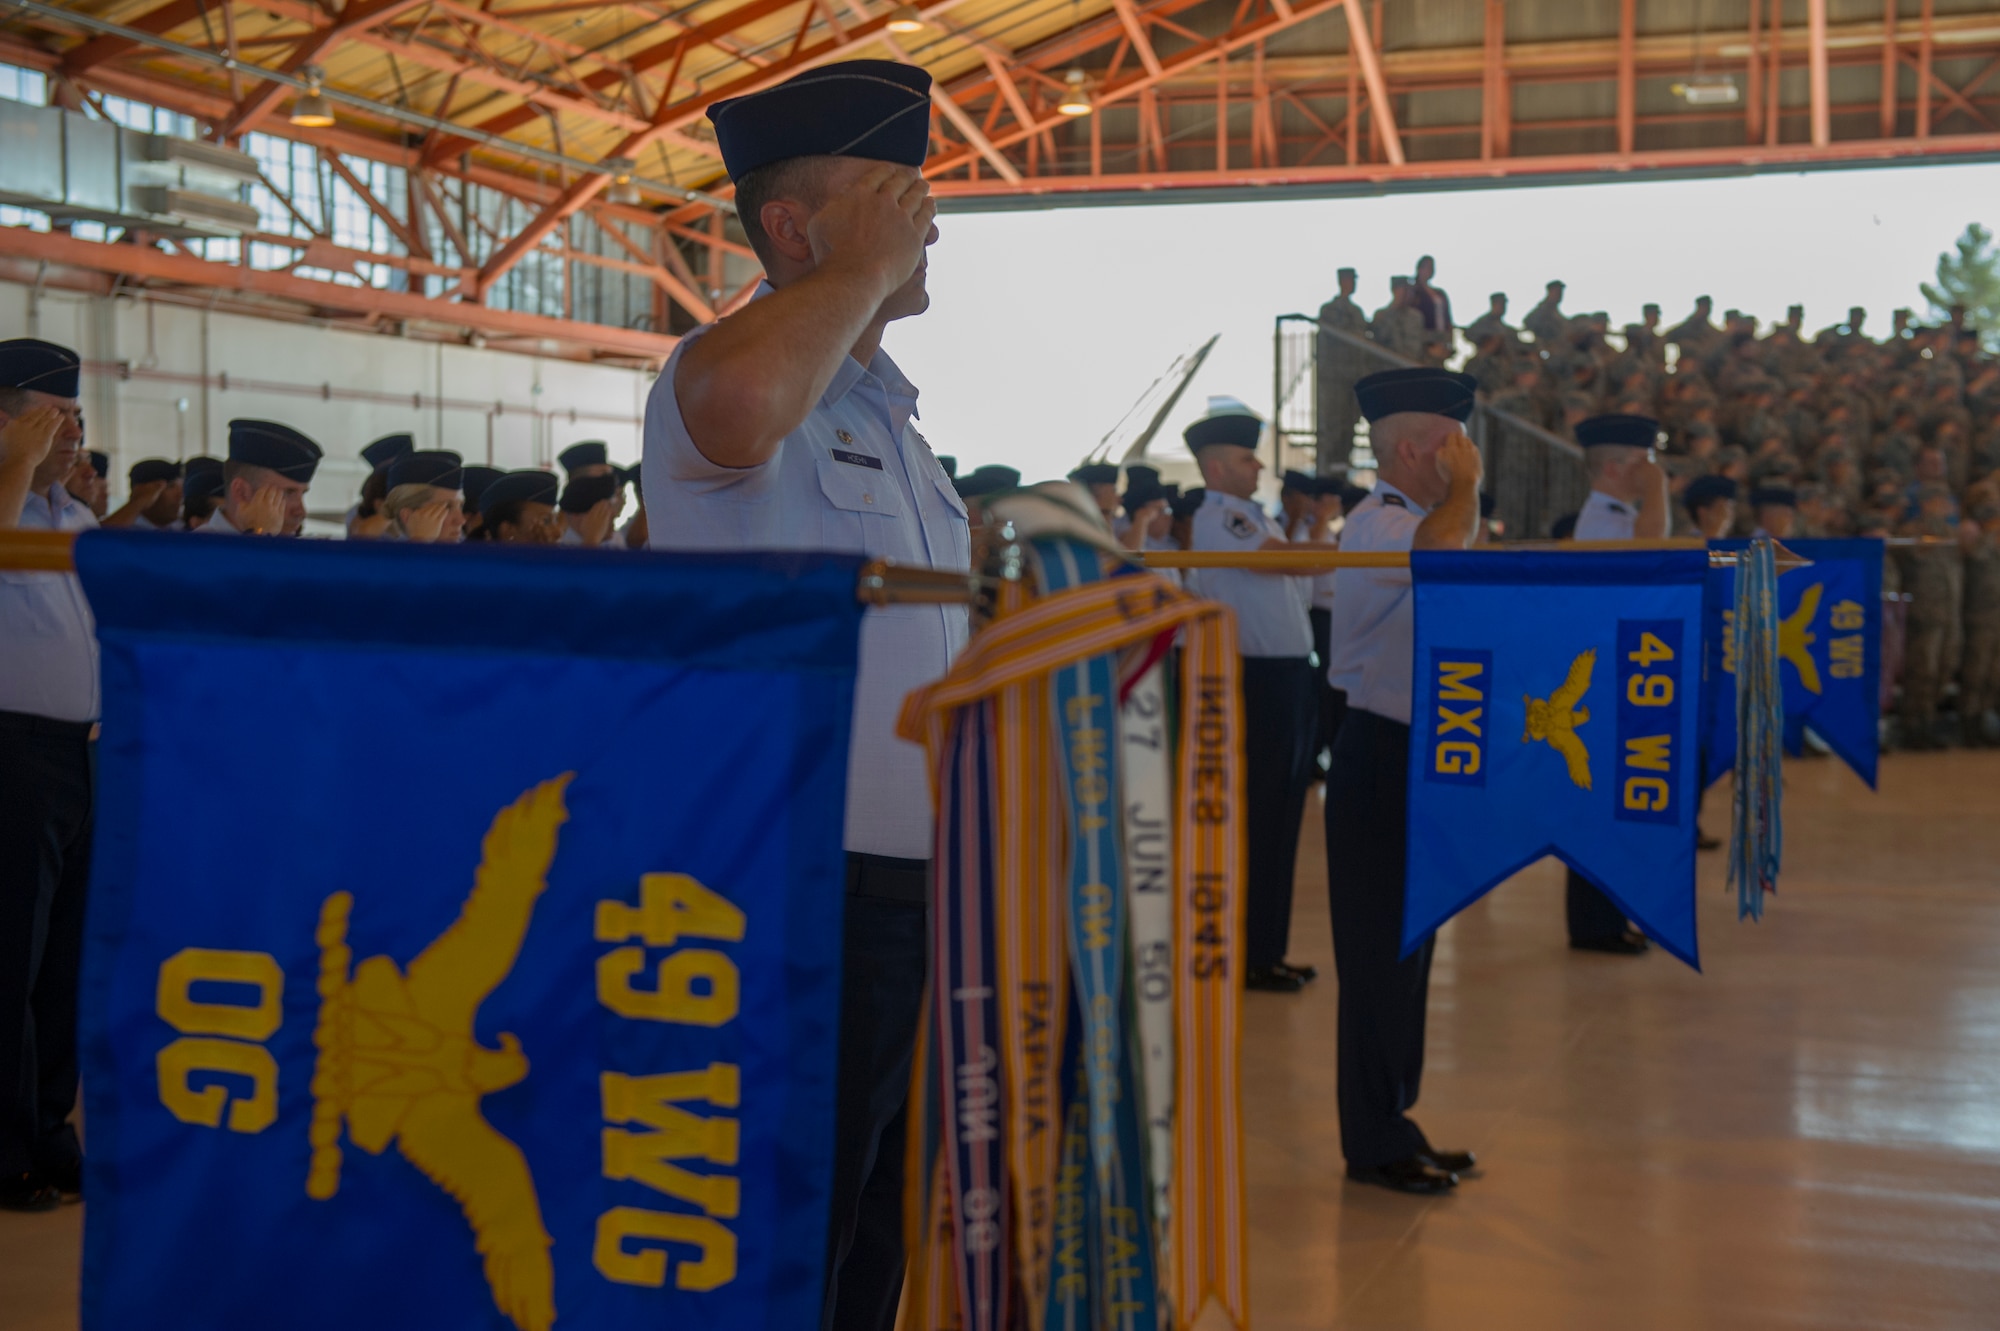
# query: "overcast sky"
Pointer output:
{"type": "Point", "coordinates": [1045, 326]}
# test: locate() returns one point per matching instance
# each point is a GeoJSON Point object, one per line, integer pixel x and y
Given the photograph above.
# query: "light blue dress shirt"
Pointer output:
{"type": "Point", "coordinates": [1603, 518]}
{"type": "Point", "coordinates": [855, 477]}
{"type": "Point", "coordinates": [1270, 608]}
{"type": "Point", "coordinates": [1374, 619]}
{"type": "Point", "coordinates": [48, 638]}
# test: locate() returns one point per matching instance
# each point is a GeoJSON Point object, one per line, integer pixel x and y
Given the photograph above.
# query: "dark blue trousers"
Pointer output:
{"type": "Point", "coordinates": [47, 810]}
{"type": "Point", "coordinates": [884, 942]}
{"type": "Point", "coordinates": [1382, 993]}
{"type": "Point", "coordinates": [1278, 711]}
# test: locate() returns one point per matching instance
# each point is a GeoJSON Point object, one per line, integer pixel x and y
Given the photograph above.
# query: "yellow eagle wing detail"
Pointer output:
{"type": "Point", "coordinates": [1795, 644]}
{"type": "Point", "coordinates": [452, 977]}
{"type": "Point", "coordinates": [1564, 741]}
{"type": "Point", "coordinates": [1573, 688]}
{"type": "Point", "coordinates": [446, 1138]}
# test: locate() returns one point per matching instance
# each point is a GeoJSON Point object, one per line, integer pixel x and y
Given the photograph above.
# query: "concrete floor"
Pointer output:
{"type": "Point", "coordinates": [1806, 1136]}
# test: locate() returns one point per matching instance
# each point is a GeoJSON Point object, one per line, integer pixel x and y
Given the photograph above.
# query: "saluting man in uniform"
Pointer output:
{"type": "Point", "coordinates": [265, 479]}
{"type": "Point", "coordinates": [1426, 497]}
{"type": "Point", "coordinates": [787, 426]}
{"type": "Point", "coordinates": [1629, 501]}
{"type": "Point", "coordinates": [1275, 638]}
{"type": "Point", "coordinates": [48, 717]}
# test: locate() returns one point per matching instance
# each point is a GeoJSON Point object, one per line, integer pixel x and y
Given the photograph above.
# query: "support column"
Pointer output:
{"type": "Point", "coordinates": [1628, 37]}
{"type": "Point", "coordinates": [1822, 115]}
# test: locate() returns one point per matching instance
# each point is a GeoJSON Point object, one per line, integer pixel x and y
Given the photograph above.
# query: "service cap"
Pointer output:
{"type": "Point", "coordinates": [1618, 431]}
{"type": "Point", "coordinates": [877, 109]}
{"type": "Point", "coordinates": [99, 463]}
{"type": "Point", "coordinates": [147, 471]}
{"type": "Point", "coordinates": [1096, 473]}
{"type": "Point", "coordinates": [29, 362]}
{"type": "Point", "coordinates": [475, 480]}
{"type": "Point", "coordinates": [1229, 421]}
{"type": "Point", "coordinates": [274, 447]}
{"type": "Point", "coordinates": [1782, 495]}
{"type": "Point", "coordinates": [950, 465]}
{"type": "Point", "coordinates": [989, 479]}
{"type": "Point", "coordinates": [1705, 490]}
{"type": "Point", "coordinates": [589, 453]}
{"type": "Point", "coordinates": [428, 467]}
{"type": "Point", "coordinates": [1184, 505]}
{"type": "Point", "coordinates": [1298, 483]}
{"type": "Point", "coordinates": [1421, 389]}
{"type": "Point", "coordinates": [517, 487]}
{"type": "Point", "coordinates": [204, 484]}
{"type": "Point", "coordinates": [387, 449]}
{"type": "Point", "coordinates": [200, 465]}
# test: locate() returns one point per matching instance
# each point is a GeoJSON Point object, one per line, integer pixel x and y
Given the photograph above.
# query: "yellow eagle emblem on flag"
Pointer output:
{"type": "Point", "coordinates": [399, 1062]}
{"type": "Point", "coordinates": [1795, 639]}
{"type": "Point", "coordinates": [1556, 720]}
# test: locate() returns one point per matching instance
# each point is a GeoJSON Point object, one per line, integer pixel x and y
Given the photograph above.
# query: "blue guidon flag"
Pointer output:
{"type": "Point", "coordinates": [464, 941]}
{"type": "Point", "coordinates": [1555, 712]}
{"type": "Point", "coordinates": [1829, 654]}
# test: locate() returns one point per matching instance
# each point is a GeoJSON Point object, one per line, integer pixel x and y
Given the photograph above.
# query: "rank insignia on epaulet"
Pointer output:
{"type": "Point", "coordinates": [1394, 501]}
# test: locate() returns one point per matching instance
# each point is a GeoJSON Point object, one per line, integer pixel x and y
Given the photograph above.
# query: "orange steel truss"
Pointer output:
{"type": "Point", "coordinates": [1190, 98]}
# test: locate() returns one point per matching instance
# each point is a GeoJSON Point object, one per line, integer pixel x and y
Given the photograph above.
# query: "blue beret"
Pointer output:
{"type": "Point", "coordinates": [584, 493]}
{"type": "Point", "coordinates": [949, 463]}
{"type": "Point", "coordinates": [1705, 490]}
{"type": "Point", "coordinates": [1096, 473]}
{"type": "Point", "coordinates": [876, 109]}
{"type": "Point", "coordinates": [1774, 494]}
{"type": "Point", "coordinates": [517, 487]}
{"type": "Point", "coordinates": [590, 453]}
{"type": "Point", "coordinates": [1431, 392]}
{"type": "Point", "coordinates": [1297, 482]}
{"type": "Point", "coordinates": [29, 362]}
{"type": "Point", "coordinates": [428, 467]}
{"type": "Point", "coordinates": [1618, 431]}
{"type": "Point", "coordinates": [476, 479]}
{"type": "Point", "coordinates": [148, 470]}
{"type": "Point", "coordinates": [99, 463]}
{"type": "Point", "coordinates": [273, 447]}
{"type": "Point", "coordinates": [1241, 428]}
{"type": "Point", "coordinates": [989, 479]}
{"type": "Point", "coordinates": [387, 449]}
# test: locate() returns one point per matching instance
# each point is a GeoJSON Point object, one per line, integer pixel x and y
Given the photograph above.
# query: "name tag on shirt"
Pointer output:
{"type": "Point", "coordinates": [857, 459]}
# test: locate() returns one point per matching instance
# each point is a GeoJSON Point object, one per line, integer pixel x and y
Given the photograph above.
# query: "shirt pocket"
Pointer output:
{"type": "Point", "coordinates": [33, 604]}
{"type": "Point", "coordinates": [863, 507]}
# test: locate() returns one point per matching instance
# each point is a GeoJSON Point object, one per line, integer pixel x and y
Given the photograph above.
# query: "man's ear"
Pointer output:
{"type": "Point", "coordinates": [785, 222]}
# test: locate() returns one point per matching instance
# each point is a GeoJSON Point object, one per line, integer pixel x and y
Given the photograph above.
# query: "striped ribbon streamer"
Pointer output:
{"type": "Point", "coordinates": [1756, 838]}
{"type": "Point", "coordinates": [1145, 748]}
{"type": "Point", "coordinates": [1012, 659]}
{"type": "Point", "coordinates": [1083, 712]}
{"type": "Point", "coordinates": [965, 1024]}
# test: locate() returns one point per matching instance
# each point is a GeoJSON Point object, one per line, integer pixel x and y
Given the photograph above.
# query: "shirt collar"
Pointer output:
{"type": "Point", "coordinates": [1409, 503]}
{"type": "Point", "coordinates": [1231, 501]}
{"type": "Point", "coordinates": [886, 372]}
{"type": "Point", "coordinates": [56, 501]}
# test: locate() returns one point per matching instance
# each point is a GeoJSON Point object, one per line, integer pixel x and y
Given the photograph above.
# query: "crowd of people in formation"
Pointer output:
{"type": "Point", "coordinates": [1826, 434]}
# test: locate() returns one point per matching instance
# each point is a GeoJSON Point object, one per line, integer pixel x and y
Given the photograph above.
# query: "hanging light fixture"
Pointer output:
{"type": "Point", "coordinates": [1076, 101]}
{"type": "Point", "coordinates": [312, 111]}
{"type": "Point", "coordinates": [905, 19]}
{"type": "Point", "coordinates": [622, 189]}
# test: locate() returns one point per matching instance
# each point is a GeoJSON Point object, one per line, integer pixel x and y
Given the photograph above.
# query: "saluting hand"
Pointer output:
{"type": "Point", "coordinates": [878, 228]}
{"type": "Point", "coordinates": [596, 524]}
{"type": "Point", "coordinates": [27, 438]}
{"type": "Point", "coordinates": [426, 523]}
{"type": "Point", "coordinates": [263, 513]}
{"type": "Point", "coordinates": [1458, 462]}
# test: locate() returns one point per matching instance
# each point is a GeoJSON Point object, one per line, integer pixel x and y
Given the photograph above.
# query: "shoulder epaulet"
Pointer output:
{"type": "Point", "coordinates": [1394, 501]}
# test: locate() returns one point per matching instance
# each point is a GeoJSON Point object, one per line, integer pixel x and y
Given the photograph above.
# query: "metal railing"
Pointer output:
{"type": "Point", "coordinates": [1534, 476]}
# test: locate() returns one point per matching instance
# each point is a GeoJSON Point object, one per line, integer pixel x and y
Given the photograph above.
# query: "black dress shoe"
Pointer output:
{"type": "Point", "coordinates": [1450, 1162]}
{"type": "Point", "coordinates": [1411, 1174]}
{"type": "Point", "coordinates": [1306, 974]}
{"type": "Point", "coordinates": [29, 1192]}
{"type": "Point", "coordinates": [1279, 979]}
{"type": "Point", "coordinates": [1627, 944]}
